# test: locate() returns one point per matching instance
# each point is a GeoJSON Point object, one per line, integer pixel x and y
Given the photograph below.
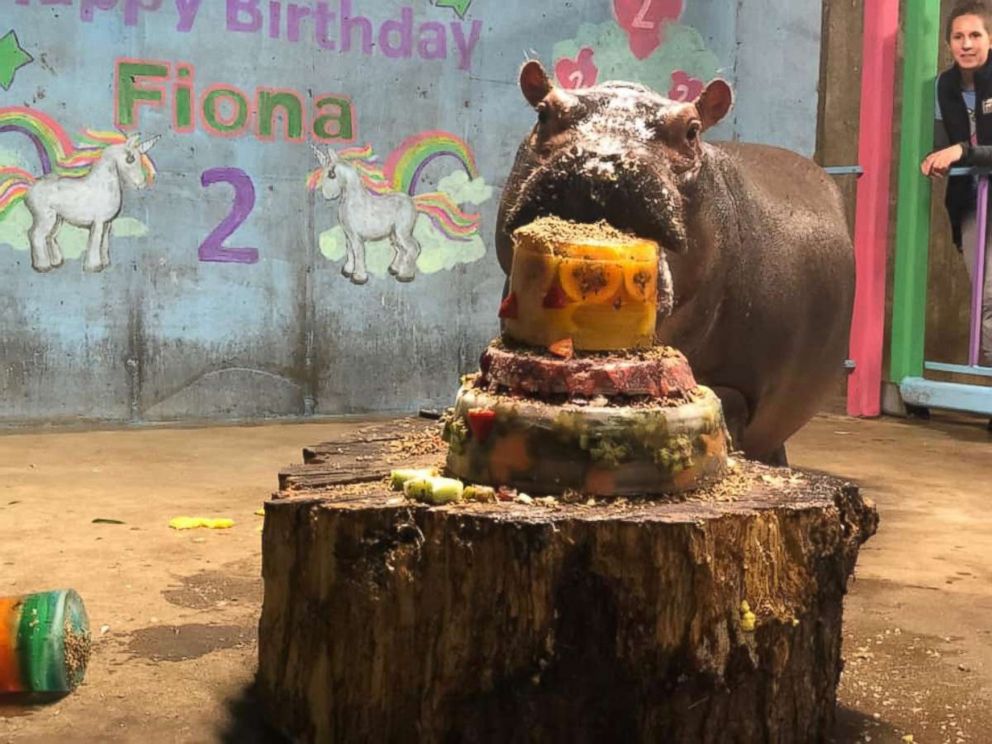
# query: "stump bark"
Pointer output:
{"type": "Point", "coordinates": [385, 620]}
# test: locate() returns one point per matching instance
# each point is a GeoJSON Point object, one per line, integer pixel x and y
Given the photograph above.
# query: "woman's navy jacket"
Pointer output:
{"type": "Point", "coordinates": [960, 199]}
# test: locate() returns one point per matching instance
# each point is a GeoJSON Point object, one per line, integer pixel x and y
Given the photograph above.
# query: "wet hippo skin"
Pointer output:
{"type": "Point", "coordinates": [755, 236]}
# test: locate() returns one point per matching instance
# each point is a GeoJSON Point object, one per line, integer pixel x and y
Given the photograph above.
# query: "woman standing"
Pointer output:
{"type": "Point", "coordinates": [964, 99]}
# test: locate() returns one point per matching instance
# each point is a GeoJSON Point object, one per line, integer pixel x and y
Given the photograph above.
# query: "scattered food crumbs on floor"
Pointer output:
{"type": "Point", "coordinates": [260, 512]}
{"type": "Point", "coordinates": [189, 523]}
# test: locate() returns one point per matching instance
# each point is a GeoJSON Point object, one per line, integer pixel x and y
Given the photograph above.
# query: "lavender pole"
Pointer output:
{"type": "Point", "coordinates": [978, 275]}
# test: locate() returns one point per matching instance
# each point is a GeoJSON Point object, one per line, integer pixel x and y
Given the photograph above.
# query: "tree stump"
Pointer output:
{"type": "Point", "coordinates": [557, 620]}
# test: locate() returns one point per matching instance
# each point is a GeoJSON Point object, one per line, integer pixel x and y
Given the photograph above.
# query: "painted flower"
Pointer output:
{"type": "Point", "coordinates": [684, 86]}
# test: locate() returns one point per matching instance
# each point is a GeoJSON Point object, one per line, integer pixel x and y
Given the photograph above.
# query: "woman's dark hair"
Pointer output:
{"type": "Point", "coordinates": [978, 8]}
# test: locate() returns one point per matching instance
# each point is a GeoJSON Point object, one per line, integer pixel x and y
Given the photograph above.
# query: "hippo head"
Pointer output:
{"type": "Point", "coordinates": [617, 151]}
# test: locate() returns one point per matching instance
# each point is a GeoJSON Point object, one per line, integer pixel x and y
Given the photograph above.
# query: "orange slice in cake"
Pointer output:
{"type": "Point", "coordinates": [591, 281]}
{"type": "Point", "coordinates": [641, 282]}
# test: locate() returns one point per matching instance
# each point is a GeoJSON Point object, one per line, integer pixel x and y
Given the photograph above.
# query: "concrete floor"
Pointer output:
{"type": "Point", "coordinates": [174, 613]}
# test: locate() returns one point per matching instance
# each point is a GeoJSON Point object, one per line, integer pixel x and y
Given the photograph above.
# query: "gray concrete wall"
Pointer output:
{"type": "Point", "coordinates": [223, 296]}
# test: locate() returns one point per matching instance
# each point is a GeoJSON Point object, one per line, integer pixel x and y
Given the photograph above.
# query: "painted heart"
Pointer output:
{"type": "Point", "coordinates": [580, 72]}
{"type": "Point", "coordinates": [684, 86]}
{"type": "Point", "coordinates": [644, 22]}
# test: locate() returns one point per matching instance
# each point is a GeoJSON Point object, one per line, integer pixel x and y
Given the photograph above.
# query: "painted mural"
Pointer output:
{"type": "Point", "coordinates": [383, 225]}
{"type": "Point", "coordinates": [80, 185]}
{"type": "Point", "coordinates": [216, 208]}
{"type": "Point", "coordinates": [12, 58]}
{"type": "Point", "coordinates": [72, 206]}
{"type": "Point", "coordinates": [644, 43]}
{"type": "Point", "coordinates": [379, 207]}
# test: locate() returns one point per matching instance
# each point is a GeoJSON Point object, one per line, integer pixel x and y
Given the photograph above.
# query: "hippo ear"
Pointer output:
{"type": "Point", "coordinates": [714, 102]}
{"type": "Point", "coordinates": [534, 82]}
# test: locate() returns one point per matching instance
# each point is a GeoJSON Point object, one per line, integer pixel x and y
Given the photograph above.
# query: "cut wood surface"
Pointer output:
{"type": "Point", "coordinates": [572, 620]}
{"type": "Point", "coordinates": [367, 456]}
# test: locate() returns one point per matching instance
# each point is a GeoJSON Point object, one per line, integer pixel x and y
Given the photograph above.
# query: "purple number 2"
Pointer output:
{"type": "Point", "coordinates": [213, 248]}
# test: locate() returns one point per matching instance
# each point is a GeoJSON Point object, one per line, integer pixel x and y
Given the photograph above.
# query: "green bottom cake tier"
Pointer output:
{"type": "Point", "coordinates": [601, 450]}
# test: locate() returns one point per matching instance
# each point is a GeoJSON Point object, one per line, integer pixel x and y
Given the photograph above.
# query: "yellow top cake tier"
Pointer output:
{"type": "Point", "coordinates": [589, 283]}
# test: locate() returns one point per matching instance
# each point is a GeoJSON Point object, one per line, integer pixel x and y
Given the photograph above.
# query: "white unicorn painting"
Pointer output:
{"type": "Point", "coordinates": [365, 215]}
{"type": "Point", "coordinates": [92, 202]}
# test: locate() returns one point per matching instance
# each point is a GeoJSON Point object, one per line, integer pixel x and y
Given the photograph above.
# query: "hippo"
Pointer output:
{"type": "Point", "coordinates": [755, 237]}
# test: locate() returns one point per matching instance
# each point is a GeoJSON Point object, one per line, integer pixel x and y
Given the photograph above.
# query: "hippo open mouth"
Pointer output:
{"type": "Point", "coordinates": [633, 204]}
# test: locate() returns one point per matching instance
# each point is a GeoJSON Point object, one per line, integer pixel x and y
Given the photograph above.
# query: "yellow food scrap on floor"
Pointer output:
{"type": "Point", "coordinates": [189, 523]}
{"type": "Point", "coordinates": [260, 512]}
{"type": "Point", "coordinates": [908, 738]}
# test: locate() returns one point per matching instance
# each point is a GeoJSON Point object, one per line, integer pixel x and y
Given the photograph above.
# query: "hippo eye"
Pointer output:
{"type": "Point", "coordinates": [129, 158]}
{"type": "Point", "coordinates": [693, 133]}
{"type": "Point", "coordinates": [330, 173]}
{"type": "Point", "coordinates": [543, 114]}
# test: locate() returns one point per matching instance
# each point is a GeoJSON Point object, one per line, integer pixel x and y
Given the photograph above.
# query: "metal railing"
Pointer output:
{"type": "Point", "coordinates": [977, 280]}
{"type": "Point", "coordinates": [957, 396]}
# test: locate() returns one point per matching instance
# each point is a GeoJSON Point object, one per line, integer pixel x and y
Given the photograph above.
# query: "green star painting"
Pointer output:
{"type": "Point", "coordinates": [12, 58]}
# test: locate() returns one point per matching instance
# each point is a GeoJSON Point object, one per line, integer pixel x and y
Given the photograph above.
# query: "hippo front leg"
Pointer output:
{"type": "Point", "coordinates": [777, 458]}
{"type": "Point", "coordinates": [736, 413]}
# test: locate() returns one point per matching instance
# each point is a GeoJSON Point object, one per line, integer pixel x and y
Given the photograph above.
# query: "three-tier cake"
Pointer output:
{"type": "Point", "coordinates": [577, 396]}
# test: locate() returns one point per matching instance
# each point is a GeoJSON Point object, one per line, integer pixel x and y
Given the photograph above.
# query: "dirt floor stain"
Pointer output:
{"type": "Point", "coordinates": [209, 588]}
{"type": "Point", "coordinates": [183, 642]}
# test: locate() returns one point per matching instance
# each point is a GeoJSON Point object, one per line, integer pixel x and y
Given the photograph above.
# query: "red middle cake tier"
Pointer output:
{"type": "Point", "coordinates": [660, 372]}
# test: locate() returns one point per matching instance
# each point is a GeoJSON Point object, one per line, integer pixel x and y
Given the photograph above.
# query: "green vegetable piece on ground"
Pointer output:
{"type": "Point", "coordinates": [401, 475]}
{"type": "Point", "coordinates": [434, 489]}
{"type": "Point", "coordinates": [419, 489]}
{"type": "Point", "coordinates": [446, 490]}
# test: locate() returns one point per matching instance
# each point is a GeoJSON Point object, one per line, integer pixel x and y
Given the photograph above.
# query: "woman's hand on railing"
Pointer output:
{"type": "Point", "coordinates": [937, 164]}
